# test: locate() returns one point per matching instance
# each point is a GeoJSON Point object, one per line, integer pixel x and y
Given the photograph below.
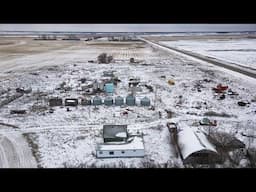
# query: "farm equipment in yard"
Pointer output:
{"type": "Point", "coordinates": [206, 121]}
{"type": "Point", "coordinates": [220, 88]}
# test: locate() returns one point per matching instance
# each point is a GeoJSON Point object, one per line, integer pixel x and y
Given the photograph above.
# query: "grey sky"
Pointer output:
{"type": "Point", "coordinates": [128, 27]}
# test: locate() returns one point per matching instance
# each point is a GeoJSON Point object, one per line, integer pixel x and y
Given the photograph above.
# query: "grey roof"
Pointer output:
{"type": "Point", "coordinates": [110, 131]}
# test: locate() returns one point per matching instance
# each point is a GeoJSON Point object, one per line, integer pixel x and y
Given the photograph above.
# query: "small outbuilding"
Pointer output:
{"type": "Point", "coordinates": [109, 87]}
{"type": "Point", "coordinates": [145, 101]}
{"type": "Point", "coordinates": [119, 101]}
{"type": "Point", "coordinates": [55, 102]}
{"type": "Point", "coordinates": [130, 100]}
{"type": "Point", "coordinates": [108, 101]}
{"type": "Point", "coordinates": [71, 102]}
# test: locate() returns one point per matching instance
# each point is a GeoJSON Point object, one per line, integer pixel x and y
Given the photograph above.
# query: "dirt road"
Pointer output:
{"type": "Point", "coordinates": [15, 152]}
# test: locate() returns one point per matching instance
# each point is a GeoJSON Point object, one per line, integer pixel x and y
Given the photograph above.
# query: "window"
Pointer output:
{"type": "Point", "coordinates": [101, 152]}
{"type": "Point", "coordinates": [122, 152]}
{"type": "Point", "coordinates": [111, 152]}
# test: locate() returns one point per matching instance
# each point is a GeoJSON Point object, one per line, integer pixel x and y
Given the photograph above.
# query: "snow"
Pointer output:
{"type": "Point", "coordinates": [241, 52]}
{"type": "Point", "coordinates": [121, 134]}
{"type": "Point", "coordinates": [69, 139]}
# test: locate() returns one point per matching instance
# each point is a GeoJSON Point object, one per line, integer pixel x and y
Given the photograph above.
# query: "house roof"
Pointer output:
{"type": "Point", "coordinates": [191, 141]}
{"type": "Point", "coordinates": [135, 144]}
{"type": "Point", "coordinates": [114, 131]}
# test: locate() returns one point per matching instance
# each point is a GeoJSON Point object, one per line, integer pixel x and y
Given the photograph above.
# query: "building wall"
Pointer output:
{"type": "Point", "coordinates": [120, 153]}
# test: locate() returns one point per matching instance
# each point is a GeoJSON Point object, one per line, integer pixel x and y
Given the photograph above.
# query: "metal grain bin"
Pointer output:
{"type": "Point", "coordinates": [145, 101]}
{"type": "Point", "coordinates": [97, 100]}
{"type": "Point", "coordinates": [119, 101]}
{"type": "Point", "coordinates": [130, 100]}
{"type": "Point", "coordinates": [108, 101]}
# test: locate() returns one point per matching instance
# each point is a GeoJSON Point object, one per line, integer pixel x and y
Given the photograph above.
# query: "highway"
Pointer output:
{"type": "Point", "coordinates": [217, 62]}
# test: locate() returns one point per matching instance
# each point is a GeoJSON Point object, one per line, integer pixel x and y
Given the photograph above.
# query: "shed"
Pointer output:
{"type": "Point", "coordinates": [195, 148]}
{"type": "Point", "coordinates": [145, 101]}
{"type": "Point", "coordinates": [86, 101]}
{"type": "Point", "coordinates": [133, 148]}
{"type": "Point", "coordinates": [119, 101]}
{"type": "Point", "coordinates": [115, 133]}
{"type": "Point", "coordinates": [97, 100]}
{"type": "Point", "coordinates": [108, 101]}
{"type": "Point", "coordinates": [109, 87]}
{"type": "Point", "coordinates": [130, 100]}
{"type": "Point", "coordinates": [71, 102]}
{"type": "Point", "coordinates": [55, 102]}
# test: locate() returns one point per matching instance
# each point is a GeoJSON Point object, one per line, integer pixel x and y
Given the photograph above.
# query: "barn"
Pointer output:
{"type": "Point", "coordinates": [195, 148]}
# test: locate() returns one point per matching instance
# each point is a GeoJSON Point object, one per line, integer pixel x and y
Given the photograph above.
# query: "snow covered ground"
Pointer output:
{"type": "Point", "coordinates": [238, 51]}
{"type": "Point", "coordinates": [69, 138]}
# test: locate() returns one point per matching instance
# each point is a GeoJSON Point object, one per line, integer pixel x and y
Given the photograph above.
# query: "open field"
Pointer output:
{"type": "Point", "coordinates": [68, 138]}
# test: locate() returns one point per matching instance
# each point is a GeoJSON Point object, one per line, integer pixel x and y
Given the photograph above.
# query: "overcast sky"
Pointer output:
{"type": "Point", "coordinates": [129, 27]}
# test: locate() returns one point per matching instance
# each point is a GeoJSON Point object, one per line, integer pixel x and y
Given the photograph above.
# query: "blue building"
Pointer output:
{"type": "Point", "coordinates": [109, 87]}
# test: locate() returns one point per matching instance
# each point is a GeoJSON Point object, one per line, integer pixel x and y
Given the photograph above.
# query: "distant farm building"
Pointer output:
{"type": "Point", "coordinates": [108, 73]}
{"type": "Point", "coordinates": [71, 102]}
{"type": "Point", "coordinates": [55, 102]}
{"type": "Point", "coordinates": [109, 87]}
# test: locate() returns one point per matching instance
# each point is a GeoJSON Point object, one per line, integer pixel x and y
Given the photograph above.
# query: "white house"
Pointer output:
{"type": "Point", "coordinates": [134, 147]}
